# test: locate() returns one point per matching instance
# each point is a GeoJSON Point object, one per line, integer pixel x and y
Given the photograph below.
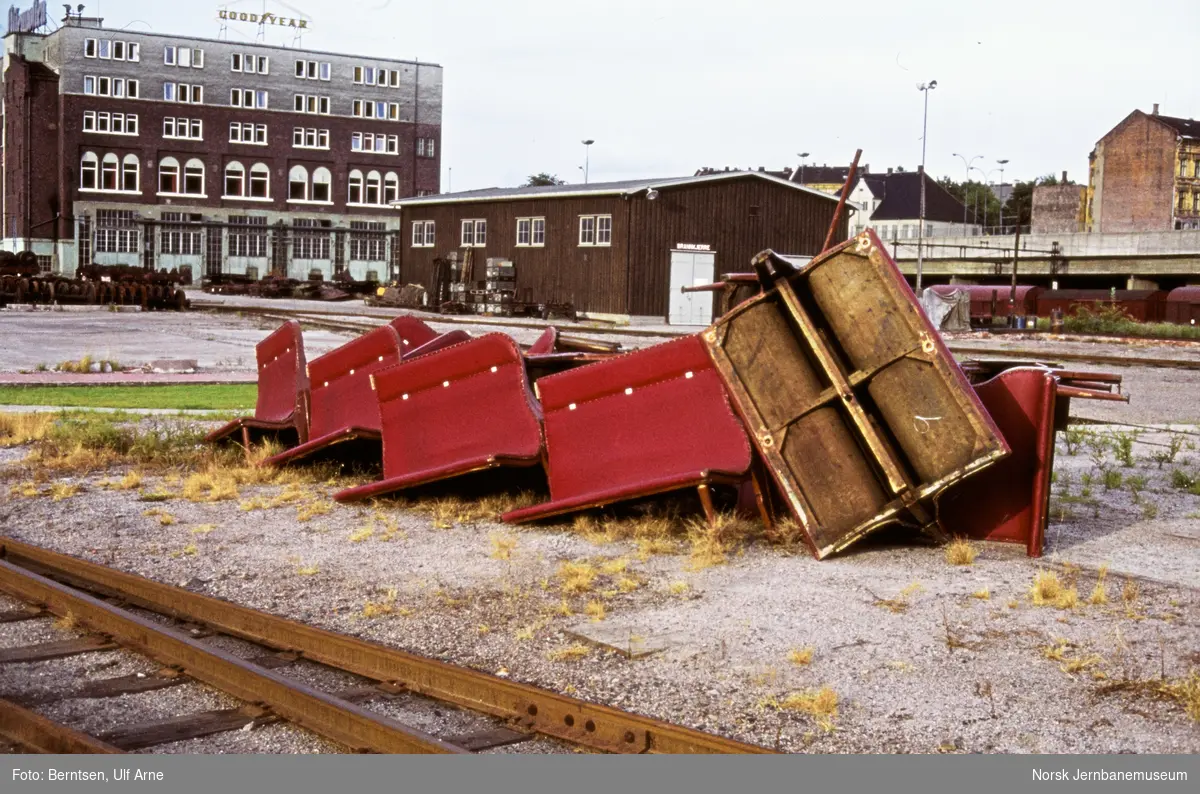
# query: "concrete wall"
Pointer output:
{"type": "Point", "coordinates": [1058, 209]}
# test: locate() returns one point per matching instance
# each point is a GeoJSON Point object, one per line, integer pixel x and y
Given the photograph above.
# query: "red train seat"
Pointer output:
{"type": "Point", "coordinates": [281, 408]}
{"type": "Point", "coordinates": [462, 409]}
{"type": "Point", "coordinates": [640, 424]}
{"type": "Point", "coordinates": [413, 332]}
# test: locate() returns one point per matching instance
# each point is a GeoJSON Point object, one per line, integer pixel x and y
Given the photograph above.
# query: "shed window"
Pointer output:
{"type": "Point", "coordinates": [474, 233]}
{"type": "Point", "coordinates": [531, 231]}
{"type": "Point", "coordinates": [595, 230]}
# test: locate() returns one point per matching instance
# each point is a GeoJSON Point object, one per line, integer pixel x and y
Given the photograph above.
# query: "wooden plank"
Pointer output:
{"type": "Point", "coordinates": [29, 730]}
{"type": "Point", "coordinates": [54, 650]}
{"type": "Point", "coordinates": [108, 687]}
{"type": "Point", "coordinates": [24, 613]}
{"type": "Point", "coordinates": [188, 726]}
{"type": "Point", "coordinates": [485, 740]}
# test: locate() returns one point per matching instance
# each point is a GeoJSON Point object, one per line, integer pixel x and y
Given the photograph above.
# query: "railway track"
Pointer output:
{"type": "Point", "coordinates": [186, 632]}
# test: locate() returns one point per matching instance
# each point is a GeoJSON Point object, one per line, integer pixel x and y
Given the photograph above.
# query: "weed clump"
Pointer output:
{"type": "Point", "coordinates": [821, 704]}
{"type": "Point", "coordinates": [1049, 590]}
{"type": "Point", "coordinates": [569, 653]}
{"type": "Point", "coordinates": [502, 545]}
{"type": "Point", "coordinates": [801, 656]}
{"type": "Point", "coordinates": [961, 551]}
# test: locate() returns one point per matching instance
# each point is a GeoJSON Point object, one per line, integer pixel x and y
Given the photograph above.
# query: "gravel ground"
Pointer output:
{"type": "Point", "coordinates": [919, 660]}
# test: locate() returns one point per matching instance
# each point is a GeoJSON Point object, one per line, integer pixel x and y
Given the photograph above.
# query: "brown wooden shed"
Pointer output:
{"type": "Point", "coordinates": [622, 248]}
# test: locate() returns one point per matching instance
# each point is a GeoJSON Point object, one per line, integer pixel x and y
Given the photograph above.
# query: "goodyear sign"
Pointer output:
{"type": "Point", "coordinates": [262, 19]}
{"type": "Point", "coordinates": [29, 20]}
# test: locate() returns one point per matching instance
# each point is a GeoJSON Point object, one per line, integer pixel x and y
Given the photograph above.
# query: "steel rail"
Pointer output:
{"type": "Point", "coordinates": [1090, 358]}
{"type": "Point", "coordinates": [529, 708]}
{"type": "Point", "coordinates": [324, 714]}
{"type": "Point", "coordinates": [31, 731]}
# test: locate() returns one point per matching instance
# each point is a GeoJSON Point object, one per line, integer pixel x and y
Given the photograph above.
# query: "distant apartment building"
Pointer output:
{"type": "Point", "coordinates": [1145, 175]}
{"type": "Point", "coordinates": [162, 151]}
{"type": "Point", "coordinates": [890, 203]}
{"type": "Point", "coordinates": [1059, 209]}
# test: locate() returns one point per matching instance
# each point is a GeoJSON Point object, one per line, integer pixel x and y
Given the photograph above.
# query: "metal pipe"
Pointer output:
{"type": "Point", "coordinates": [837, 214]}
{"type": "Point", "coordinates": [924, 88]}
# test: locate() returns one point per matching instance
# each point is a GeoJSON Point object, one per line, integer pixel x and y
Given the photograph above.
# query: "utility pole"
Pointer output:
{"type": "Point", "coordinates": [924, 88]}
{"type": "Point", "coordinates": [1012, 294]}
{"type": "Point", "coordinates": [1000, 220]}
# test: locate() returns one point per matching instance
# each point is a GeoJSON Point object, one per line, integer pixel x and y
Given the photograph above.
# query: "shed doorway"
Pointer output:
{"type": "Point", "coordinates": [691, 269]}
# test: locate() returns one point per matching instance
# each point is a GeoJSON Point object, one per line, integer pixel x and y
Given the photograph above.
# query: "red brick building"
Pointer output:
{"type": "Point", "coordinates": [125, 147]}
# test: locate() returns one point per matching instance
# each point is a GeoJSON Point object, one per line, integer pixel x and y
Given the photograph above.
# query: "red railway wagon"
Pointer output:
{"type": "Point", "coordinates": [1143, 305]}
{"type": "Point", "coordinates": [1183, 306]}
{"type": "Point", "coordinates": [991, 300]}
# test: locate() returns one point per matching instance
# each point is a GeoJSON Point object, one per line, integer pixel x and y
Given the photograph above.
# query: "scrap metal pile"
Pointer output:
{"type": "Point", "coordinates": [341, 288]}
{"type": "Point", "coordinates": [823, 396]}
{"type": "Point", "coordinates": [23, 281]}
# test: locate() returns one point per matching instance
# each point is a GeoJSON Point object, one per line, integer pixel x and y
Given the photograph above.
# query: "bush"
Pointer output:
{"type": "Point", "coordinates": [1109, 318]}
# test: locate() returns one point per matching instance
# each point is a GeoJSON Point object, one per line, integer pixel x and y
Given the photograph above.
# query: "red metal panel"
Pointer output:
{"type": "Point", "coordinates": [433, 427]}
{"type": "Point", "coordinates": [282, 386]}
{"type": "Point", "coordinates": [413, 332]}
{"type": "Point", "coordinates": [635, 425]}
{"type": "Point", "coordinates": [1008, 502]}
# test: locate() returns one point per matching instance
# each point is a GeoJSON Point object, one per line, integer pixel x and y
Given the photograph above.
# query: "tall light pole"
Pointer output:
{"type": "Point", "coordinates": [981, 184]}
{"type": "Point", "coordinates": [924, 88]}
{"type": "Point", "coordinates": [967, 163]}
{"type": "Point", "coordinates": [587, 152]}
{"type": "Point", "coordinates": [803, 156]}
{"type": "Point", "coordinates": [1001, 218]}
{"type": "Point", "coordinates": [988, 178]}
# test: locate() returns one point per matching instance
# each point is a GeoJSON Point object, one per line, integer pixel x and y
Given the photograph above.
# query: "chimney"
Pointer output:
{"type": "Point", "coordinates": [1155, 109]}
{"type": "Point", "coordinates": [787, 171]}
{"type": "Point", "coordinates": [762, 169]}
{"type": "Point", "coordinates": [1064, 179]}
{"type": "Point", "coordinates": [889, 171]}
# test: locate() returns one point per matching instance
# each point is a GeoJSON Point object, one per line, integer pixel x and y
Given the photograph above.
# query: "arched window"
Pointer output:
{"type": "Point", "coordinates": [131, 173]}
{"type": "Point", "coordinates": [235, 179]}
{"type": "Point", "coordinates": [260, 181]}
{"type": "Point", "coordinates": [356, 187]}
{"type": "Point", "coordinates": [374, 183]}
{"type": "Point", "coordinates": [89, 171]}
{"type": "Point", "coordinates": [391, 187]}
{"type": "Point", "coordinates": [298, 183]}
{"type": "Point", "coordinates": [193, 177]}
{"type": "Point", "coordinates": [168, 175]}
{"type": "Point", "coordinates": [321, 185]}
{"type": "Point", "coordinates": [109, 167]}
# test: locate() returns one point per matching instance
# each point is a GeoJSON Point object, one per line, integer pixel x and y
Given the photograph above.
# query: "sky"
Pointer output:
{"type": "Point", "coordinates": [668, 86]}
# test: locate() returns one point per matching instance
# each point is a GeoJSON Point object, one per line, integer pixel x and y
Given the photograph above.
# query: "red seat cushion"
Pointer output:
{"type": "Point", "coordinates": [341, 382]}
{"type": "Point", "coordinates": [282, 384]}
{"type": "Point", "coordinates": [620, 428]}
{"type": "Point", "coordinates": [546, 343]}
{"type": "Point", "coordinates": [413, 332]}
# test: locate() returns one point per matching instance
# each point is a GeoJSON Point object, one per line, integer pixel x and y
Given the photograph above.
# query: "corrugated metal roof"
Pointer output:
{"type": "Point", "coordinates": [627, 186]}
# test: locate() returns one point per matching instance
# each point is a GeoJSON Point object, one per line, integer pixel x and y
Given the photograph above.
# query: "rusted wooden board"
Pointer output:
{"type": "Point", "coordinates": [188, 726]}
{"type": "Point", "coordinates": [108, 687]}
{"type": "Point", "coordinates": [23, 613]}
{"type": "Point", "coordinates": [54, 650]}
{"type": "Point", "coordinates": [857, 408]}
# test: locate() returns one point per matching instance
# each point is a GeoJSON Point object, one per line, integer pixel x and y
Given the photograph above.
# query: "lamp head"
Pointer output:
{"type": "Point", "coordinates": [588, 142]}
{"type": "Point", "coordinates": [651, 194]}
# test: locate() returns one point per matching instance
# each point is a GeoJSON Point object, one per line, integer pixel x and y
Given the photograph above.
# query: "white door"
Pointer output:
{"type": "Point", "coordinates": [691, 269]}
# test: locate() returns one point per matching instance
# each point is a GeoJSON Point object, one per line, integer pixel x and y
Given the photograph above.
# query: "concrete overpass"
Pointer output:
{"type": "Point", "coordinates": [1141, 260]}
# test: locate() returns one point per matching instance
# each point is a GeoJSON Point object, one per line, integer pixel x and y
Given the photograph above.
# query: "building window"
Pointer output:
{"type": "Point", "coordinates": [368, 241]}
{"type": "Point", "coordinates": [423, 234]}
{"type": "Point", "coordinates": [311, 103]}
{"type": "Point", "coordinates": [311, 238]}
{"type": "Point", "coordinates": [377, 143]}
{"type": "Point", "coordinates": [313, 70]}
{"type": "Point", "coordinates": [322, 185]}
{"type": "Point", "coordinates": [183, 56]}
{"type": "Point", "coordinates": [117, 232]}
{"type": "Point", "coordinates": [603, 230]}
{"type": "Point", "coordinates": [130, 174]}
{"type": "Point", "coordinates": [248, 64]}
{"type": "Point", "coordinates": [245, 132]}
{"type": "Point", "coordinates": [89, 168]}
{"type": "Point", "coordinates": [587, 229]}
{"type": "Point", "coordinates": [110, 86]}
{"type": "Point", "coordinates": [260, 181]}
{"type": "Point", "coordinates": [372, 109]}
{"type": "Point", "coordinates": [355, 193]}
{"type": "Point", "coordinates": [425, 147]}
{"type": "Point", "coordinates": [112, 123]}
{"type": "Point", "coordinates": [180, 239]}
{"type": "Point", "coordinates": [183, 128]}
{"type": "Point", "coordinates": [188, 93]}
{"type": "Point", "coordinates": [248, 236]}
{"type": "Point", "coordinates": [531, 231]}
{"type": "Point", "coordinates": [298, 183]}
{"type": "Point", "coordinates": [108, 172]}
{"type": "Point", "coordinates": [235, 180]}
{"type": "Point", "coordinates": [248, 98]}
{"type": "Point", "coordinates": [89, 48]}
{"type": "Point", "coordinates": [193, 178]}
{"type": "Point", "coordinates": [391, 188]}
{"type": "Point", "coordinates": [370, 75]}
{"type": "Point", "coordinates": [310, 138]}
{"type": "Point", "coordinates": [374, 193]}
{"type": "Point", "coordinates": [115, 50]}
{"type": "Point", "coordinates": [474, 233]}
{"type": "Point", "coordinates": [168, 175]}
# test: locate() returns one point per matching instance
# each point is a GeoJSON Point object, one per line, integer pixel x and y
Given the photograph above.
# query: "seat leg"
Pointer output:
{"type": "Point", "coordinates": [707, 502]}
{"type": "Point", "coordinates": [760, 497]}
{"type": "Point", "coordinates": [246, 442]}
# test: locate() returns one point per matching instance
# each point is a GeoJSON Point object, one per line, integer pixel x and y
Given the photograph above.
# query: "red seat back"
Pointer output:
{"type": "Point", "coordinates": [651, 415]}
{"type": "Point", "coordinates": [546, 343]}
{"type": "Point", "coordinates": [461, 404]}
{"type": "Point", "coordinates": [282, 382]}
{"type": "Point", "coordinates": [341, 382]}
{"type": "Point", "coordinates": [413, 332]}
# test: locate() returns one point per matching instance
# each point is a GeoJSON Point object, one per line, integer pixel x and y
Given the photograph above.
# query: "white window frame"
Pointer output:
{"type": "Point", "coordinates": [587, 230]}
{"type": "Point", "coordinates": [604, 230]}
{"type": "Point", "coordinates": [424, 234]}
{"type": "Point", "coordinates": [89, 48]}
{"type": "Point", "coordinates": [169, 55]}
{"type": "Point", "coordinates": [474, 233]}
{"type": "Point", "coordinates": [534, 228]}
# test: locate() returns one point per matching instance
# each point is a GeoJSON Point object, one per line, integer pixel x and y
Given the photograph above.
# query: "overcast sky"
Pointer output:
{"type": "Point", "coordinates": [667, 86]}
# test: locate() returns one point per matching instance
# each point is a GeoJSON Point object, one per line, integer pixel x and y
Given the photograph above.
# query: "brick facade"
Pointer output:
{"type": "Point", "coordinates": [1133, 177]}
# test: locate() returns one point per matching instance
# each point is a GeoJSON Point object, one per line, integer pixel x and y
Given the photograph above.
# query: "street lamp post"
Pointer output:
{"type": "Point", "coordinates": [967, 163]}
{"type": "Point", "coordinates": [1001, 218]}
{"type": "Point", "coordinates": [587, 156]}
{"type": "Point", "coordinates": [803, 156]}
{"type": "Point", "coordinates": [924, 88]}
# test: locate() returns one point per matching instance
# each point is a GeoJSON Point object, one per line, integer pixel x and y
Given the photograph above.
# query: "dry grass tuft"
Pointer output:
{"type": "Point", "coordinates": [308, 570]}
{"type": "Point", "coordinates": [577, 577]}
{"type": "Point", "coordinates": [983, 595]}
{"type": "Point", "coordinates": [524, 633]}
{"type": "Point", "coordinates": [310, 510]}
{"type": "Point", "coordinates": [210, 487]}
{"type": "Point", "coordinates": [900, 604]}
{"type": "Point", "coordinates": [820, 704]}
{"type": "Point", "coordinates": [569, 653]}
{"type": "Point", "coordinates": [26, 490]}
{"type": "Point", "coordinates": [503, 544]}
{"type": "Point", "coordinates": [627, 584]}
{"type": "Point", "coordinates": [1099, 595]}
{"type": "Point", "coordinates": [203, 529]}
{"type": "Point", "coordinates": [596, 611]}
{"type": "Point", "coordinates": [563, 609]}
{"type": "Point", "coordinates": [60, 491]}
{"type": "Point", "coordinates": [361, 534]}
{"type": "Point", "coordinates": [385, 607]}
{"type": "Point", "coordinates": [787, 533]}
{"type": "Point", "coordinates": [961, 551]}
{"type": "Point", "coordinates": [711, 544]}
{"type": "Point", "coordinates": [678, 588]}
{"type": "Point", "coordinates": [801, 656]}
{"type": "Point", "coordinates": [1048, 590]}
{"type": "Point", "coordinates": [130, 481]}
{"type": "Point", "coordinates": [67, 622]}
{"type": "Point", "coordinates": [20, 429]}
{"type": "Point", "coordinates": [164, 518]}
{"type": "Point", "coordinates": [614, 567]}
{"type": "Point", "coordinates": [650, 547]}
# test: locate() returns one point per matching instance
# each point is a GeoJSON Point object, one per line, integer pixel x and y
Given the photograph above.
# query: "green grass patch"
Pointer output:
{"type": "Point", "coordinates": [217, 397]}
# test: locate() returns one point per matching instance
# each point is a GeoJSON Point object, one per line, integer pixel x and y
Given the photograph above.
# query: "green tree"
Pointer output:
{"type": "Point", "coordinates": [978, 197]}
{"type": "Point", "coordinates": [538, 180]}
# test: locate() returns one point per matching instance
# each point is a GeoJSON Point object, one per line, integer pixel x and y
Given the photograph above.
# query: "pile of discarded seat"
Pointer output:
{"type": "Point", "coordinates": [826, 399]}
